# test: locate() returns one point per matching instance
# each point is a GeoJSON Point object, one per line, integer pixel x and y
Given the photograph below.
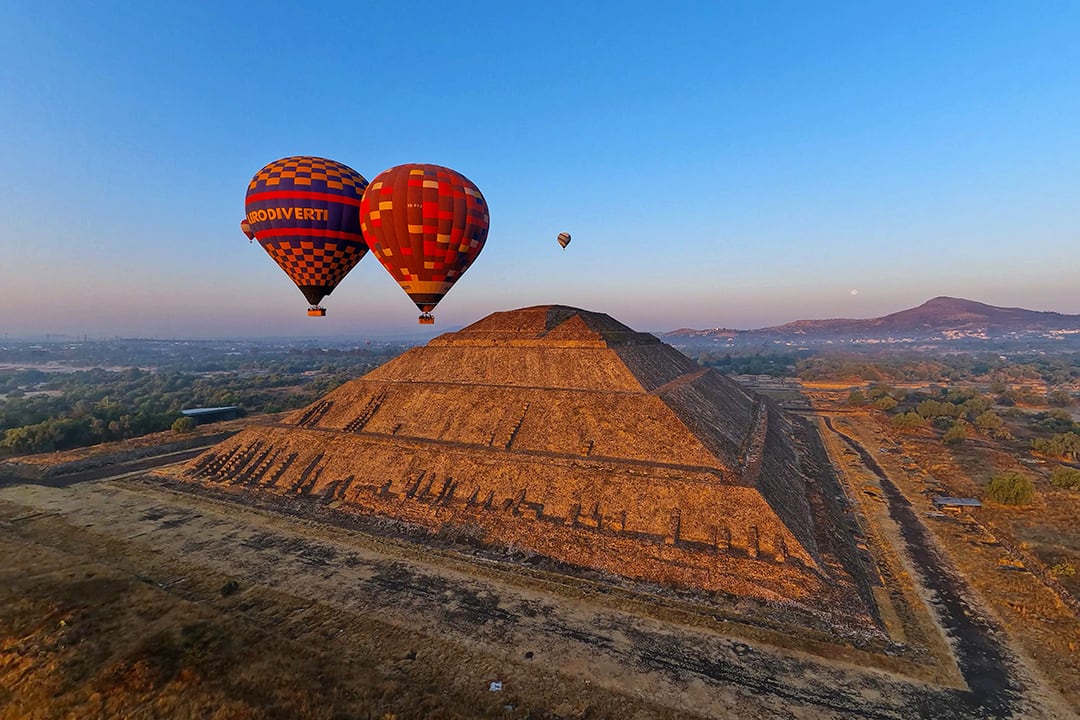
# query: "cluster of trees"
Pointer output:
{"type": "Point", "coordinates": [1063, 445]}
{"type": "Point", "coordinates": [1005, 395]}
{"type": "Point", "coordinates": [12, 382]}
{"type": "Point", "coordinates": [61, 410]}
{"type": "Point", "coordinates": [917, 367]}
{"type": "Point", "coordinates": [883, 397]}
{"type": "Point", "coordinates": [1053, 420]}
{"type": "Point", "coordinates": [854, 367]}
{"type": "Point", "coordinates": [774, 364]}
{"type": "Point", "coordinates": [952, 410]}
{"type": "Point", "coordinates": [1008, 398]}
{"type": "Point", "coordinates": [957, 412]}
{"type": "Point", "coordinates": [90, 406]}
{"type": "Point", "coordinates": [908, 421]}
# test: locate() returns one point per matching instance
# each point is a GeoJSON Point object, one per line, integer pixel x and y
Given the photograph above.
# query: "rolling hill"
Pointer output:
{"type": "Point", "coordinates": [940, 318]}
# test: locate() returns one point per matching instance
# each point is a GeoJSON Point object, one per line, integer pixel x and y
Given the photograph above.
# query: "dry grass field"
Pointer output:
{"type": "Point", "coordinates": [98, 626]}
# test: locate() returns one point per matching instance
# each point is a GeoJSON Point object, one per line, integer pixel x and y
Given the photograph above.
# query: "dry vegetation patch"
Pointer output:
{"type": "Point", "coordinates": [87, 639]}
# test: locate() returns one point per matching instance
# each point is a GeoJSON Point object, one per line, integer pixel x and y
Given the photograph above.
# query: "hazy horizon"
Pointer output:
{"type": "Point", "coordinates": [404, 334]}
{"type": "Point", "coordinates": [718, 166]}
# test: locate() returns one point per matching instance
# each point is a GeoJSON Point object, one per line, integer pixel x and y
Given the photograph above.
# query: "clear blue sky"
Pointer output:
{"type": "Point", "coordinates": [718, 164]}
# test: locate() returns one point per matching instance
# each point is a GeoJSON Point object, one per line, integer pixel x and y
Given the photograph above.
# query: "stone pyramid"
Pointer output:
{"type": "Point", "coordinates": [563, 432]}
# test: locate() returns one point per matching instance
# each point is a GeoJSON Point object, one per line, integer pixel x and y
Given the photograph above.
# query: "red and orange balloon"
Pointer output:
{"type": "Point", "coordinates": [426, 224]}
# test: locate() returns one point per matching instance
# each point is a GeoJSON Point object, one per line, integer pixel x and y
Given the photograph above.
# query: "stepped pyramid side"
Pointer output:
{"type": "Point", "coordinates": [559, 430]}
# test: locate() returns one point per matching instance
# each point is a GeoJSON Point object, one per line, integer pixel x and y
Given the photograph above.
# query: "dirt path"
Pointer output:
{"type": "Point", "coordinates": [983, 660]}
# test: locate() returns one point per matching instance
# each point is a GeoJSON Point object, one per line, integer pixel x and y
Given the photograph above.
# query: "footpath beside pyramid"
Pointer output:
{"type": "Point", "coordinates": [563, 432]}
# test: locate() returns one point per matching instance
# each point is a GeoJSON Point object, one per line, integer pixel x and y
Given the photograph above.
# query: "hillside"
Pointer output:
{"type": "Point", "coordinates": [939, 318]}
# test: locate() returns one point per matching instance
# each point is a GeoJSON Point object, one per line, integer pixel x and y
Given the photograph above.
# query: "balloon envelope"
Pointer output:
{"type": "Point", "coordinates": [245, 228]}
{"type": "Point", "coordinates": [304, 211]}
{"type": "Point", "coordinates": [564, 239]}
{"type": "Point", "coordinates": [426, 224]}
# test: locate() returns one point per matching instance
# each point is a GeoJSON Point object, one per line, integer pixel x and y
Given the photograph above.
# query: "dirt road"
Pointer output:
{"type": "Point", "coordinates": [984, 660]}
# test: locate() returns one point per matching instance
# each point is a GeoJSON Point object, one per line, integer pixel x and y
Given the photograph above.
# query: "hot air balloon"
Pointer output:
{"type": "Point", "coordinates": [245, 228]}
{"type": "Point", "coordinates": [425, 224]}
{"type": "Point", "coordinates": [564, 239]}
{"type": "Point", "coordinates": [304, 212]}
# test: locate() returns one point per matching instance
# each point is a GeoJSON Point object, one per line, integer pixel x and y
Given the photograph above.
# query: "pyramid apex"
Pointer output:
{"type": "Point", "coordinates": [546, 325]}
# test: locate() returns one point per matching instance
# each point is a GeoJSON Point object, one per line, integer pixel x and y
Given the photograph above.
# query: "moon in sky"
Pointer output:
{"type": "Point", "coordinates": [854, 292]}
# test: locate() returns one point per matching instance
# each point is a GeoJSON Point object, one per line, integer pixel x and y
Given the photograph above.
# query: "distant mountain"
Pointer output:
{"type": "Point", "coordinates": [943, 318]}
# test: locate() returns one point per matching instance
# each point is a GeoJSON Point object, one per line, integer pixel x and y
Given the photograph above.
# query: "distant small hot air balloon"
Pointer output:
{"type": "Point", "coordinates": [245, 228]}
{"type": "Point", "coordinates": [564, 239]}
{"type": "Point", "coordinates": [304, 212]}
{"type": "Point", "coordinates": [426, 224]}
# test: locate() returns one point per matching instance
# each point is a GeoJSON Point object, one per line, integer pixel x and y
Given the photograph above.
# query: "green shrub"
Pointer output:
{"type": "Point", "coordinates": [1066, 477]}
{"type": "Point", "coordinates": [954, 435]}
{"type": "Point", "coordinates": [885, 403]}
{"type": "Point", "coordinates": [1063, 445]}
{"type": "Point", "coordinates": [183, 425]}
{"type": "Point", "coordinates": [989, 421]}
{"type": "Point", "coordinates": [856, 398]}
{"type": "Point", "coordinates": [1011, 488]}
{"type": "Point", "coordinates": [908, 421]}
{"type": "Point", "coordinates": [1059, 398]}
{"type": "Point", "coordinates": [1063, 569]}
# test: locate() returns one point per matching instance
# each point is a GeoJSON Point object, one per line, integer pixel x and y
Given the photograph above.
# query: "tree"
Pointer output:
{"type": "Point", "coordinates": [958, 396]}
{"type": "Point", "coordinates": [885, 403]}
{"type": "Point", "coordinates": [955, 435]}
{"type": "Point", "coordinates": [1011, 488]}
{"type": "Point", "coordinates": [990, 422]}
{"type": "Point", "coordinates": [856, 398]}
{"type": "Point", "coordinates": [933, 408]}
{"type": "Point", "coordinates": [1033, 399]}
{"type": "Point", "coordinates": [928, 408]}
{"type": "Point", "coordinates": [1063, 569]}
{"type": "Point", "coordinates": [1066, 477]}
{"type": "Point", "coordinates": [1059, 398]}
{"type": "Point", "coordinates": [878, 391]}
{"type": "Point", "coordinates": [908, 421]}
{"type": "Point", "coordinates": [183, 425]}
{"type": "Point", "coordinates": [976, 406]}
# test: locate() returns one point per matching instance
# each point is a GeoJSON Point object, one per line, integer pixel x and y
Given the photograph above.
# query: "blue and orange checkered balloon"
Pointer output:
{"type": "Point", "coordinates": [304, 211]}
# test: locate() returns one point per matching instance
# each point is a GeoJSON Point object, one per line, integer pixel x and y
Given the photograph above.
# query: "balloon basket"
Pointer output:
{"type": "Point", "coordinates": [316, 312]}
{"type": "Point", "coordinates": [427, 319]}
